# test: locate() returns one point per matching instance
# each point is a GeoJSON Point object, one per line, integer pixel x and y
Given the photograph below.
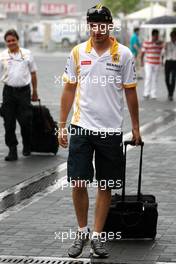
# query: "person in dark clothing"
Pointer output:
{"type": "Point", "coordinates": [17, 72]}
{"type": "Point", "coordinates": [170, 65]}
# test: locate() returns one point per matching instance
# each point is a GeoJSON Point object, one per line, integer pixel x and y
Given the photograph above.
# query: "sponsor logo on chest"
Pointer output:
{"type": "Point", "coordinates": [86, 62]}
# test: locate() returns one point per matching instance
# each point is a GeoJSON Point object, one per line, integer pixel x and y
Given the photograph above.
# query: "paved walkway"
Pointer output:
{"type": "Point", "coordinates": [32, 227]}
{"type": "Point", "coordinates": [35, 227]}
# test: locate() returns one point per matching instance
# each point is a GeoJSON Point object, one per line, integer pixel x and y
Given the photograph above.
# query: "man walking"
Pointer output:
{"type": "Point", "coordinates": [170, 65]}
{"type": "Point", "coordinates": [152, 51]}
{"type": "Point", "coordinates": [135, 46]}
{"type": "Point", "coordinates": [97, 73]}
{"type": "Point", "coordinates": [17, 70]}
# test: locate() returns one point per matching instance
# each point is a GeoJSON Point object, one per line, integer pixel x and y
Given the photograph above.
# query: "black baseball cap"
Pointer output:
{"type": "Point", "coordinates": [99, 13]}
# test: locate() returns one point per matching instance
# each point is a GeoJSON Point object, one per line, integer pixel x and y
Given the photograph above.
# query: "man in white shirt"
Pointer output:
{"type": "Point", "coordinates": [97, 73]}
{"type": "Point", "coordinates": [170, 65]}
{"type": "Point", "coordinates": [17, 72]}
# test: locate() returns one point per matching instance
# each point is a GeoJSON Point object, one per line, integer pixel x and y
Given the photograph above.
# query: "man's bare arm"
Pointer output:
{"type": "Point", "coordinates": [67, 99]}
{"type": "Point", "coordinates": [34, 86]}
{"type": "Point", "coordinates": [132, 102]}
{"type": "Point", "coordinates": [142, 58]}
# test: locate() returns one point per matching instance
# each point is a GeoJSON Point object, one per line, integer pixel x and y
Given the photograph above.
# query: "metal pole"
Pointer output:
{"type": "Point", "coordinates": [151, 6]}
{"type": "Point", "coordinates": [170, 7]}
{"type": "Point", "coordinates": [20, 28]}
{"type": "Point", "coordinates": [38, 15]}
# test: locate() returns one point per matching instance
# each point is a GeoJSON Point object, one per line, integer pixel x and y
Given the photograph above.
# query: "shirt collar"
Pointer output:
{"type": "Point", "coordinates": [19, 52]}
{"type": "Point", "coordinates": [113, 49]}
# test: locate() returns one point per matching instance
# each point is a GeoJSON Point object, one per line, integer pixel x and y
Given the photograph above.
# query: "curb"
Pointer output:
{"type": "Point", "coordinates": [26, 189]}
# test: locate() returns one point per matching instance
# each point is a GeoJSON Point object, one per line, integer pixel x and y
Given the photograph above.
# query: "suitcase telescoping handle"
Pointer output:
{"type": "Point", "coordinates": [126, 143]}
{"type": "Point", "coordinates": [40, 107]}
{"type": "Point", "coordinates": [38, 101]}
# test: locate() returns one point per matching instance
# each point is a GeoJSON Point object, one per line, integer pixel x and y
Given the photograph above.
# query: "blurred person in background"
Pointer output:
{"type": "Point", "coordinates": [135, 44]}
{"type": "Point", "coordinates": [135, 47]}
{"type": "Point", "coordinates": [152, 50]}
{"type": "Point", "coordinates": [170, 65]}
{"type": "Point", "coordinates": [17, 71]}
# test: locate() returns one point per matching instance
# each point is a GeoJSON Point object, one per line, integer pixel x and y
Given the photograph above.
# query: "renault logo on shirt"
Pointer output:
{"type": "Point", "coordinates": [117, 66]}
{"type": "Point", "coordinates": [113, 67]}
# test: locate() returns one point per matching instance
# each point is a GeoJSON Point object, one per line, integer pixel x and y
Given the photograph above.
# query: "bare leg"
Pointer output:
{"type": "Point", "coordinates": [81, 204]}
{"type": "Point", "coordinates": [103, 202]}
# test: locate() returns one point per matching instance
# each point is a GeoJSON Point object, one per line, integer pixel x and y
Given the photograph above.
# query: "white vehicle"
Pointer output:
{"type": "Point", "coordinates": [36, 33]}
{"type": "Point", "coordinates": [66, 31]}
{"type": "Point", "coordinates": [61, 32]}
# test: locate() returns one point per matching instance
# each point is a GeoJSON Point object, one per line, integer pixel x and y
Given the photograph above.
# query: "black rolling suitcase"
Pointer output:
{"type": "Point", "coordinates": [44, 130]}
{"type": "Point", "coordinates": [132, 216]}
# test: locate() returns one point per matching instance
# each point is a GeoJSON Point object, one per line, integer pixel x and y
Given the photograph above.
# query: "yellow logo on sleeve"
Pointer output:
{"type": "Point", "coordinates": [116, 57]}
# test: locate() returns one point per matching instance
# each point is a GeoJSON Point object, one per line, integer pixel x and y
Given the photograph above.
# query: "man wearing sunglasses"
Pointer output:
{"type": "Point", "coordinates": [97, 73]}
{"type": "Point", "coordinates": [17, 72]}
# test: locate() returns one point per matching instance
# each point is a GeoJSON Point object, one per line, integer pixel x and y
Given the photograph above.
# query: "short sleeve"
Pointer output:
{"type": "Point", "coordinates": [138, 43]}
{"type": "Point", "coordinates": [132, 41]}
{"type": "Point", "coordinates": [32, 64]}
{"type": "Point", "coordinates": [70, 72]}
{"type": "Point", "coordinates": [129, 79]}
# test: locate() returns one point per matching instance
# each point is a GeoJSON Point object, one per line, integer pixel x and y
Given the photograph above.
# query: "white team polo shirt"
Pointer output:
{"type": "Point", "coordinates": [98, 103]}
{"type": "Point", "coordinates": [16, 68]}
